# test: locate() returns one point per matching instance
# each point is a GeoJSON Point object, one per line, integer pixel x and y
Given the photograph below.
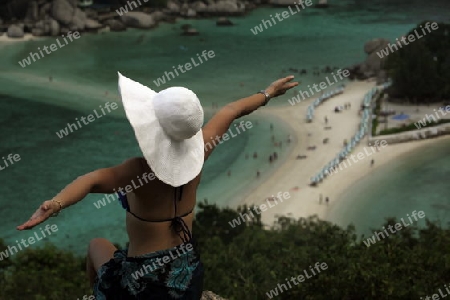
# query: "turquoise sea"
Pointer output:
{"type": "Point", "coordinates": [84, 76]}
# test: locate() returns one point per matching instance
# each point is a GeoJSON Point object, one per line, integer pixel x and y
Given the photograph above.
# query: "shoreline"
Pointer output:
{"type": "Point", "coordinates": [293, 175]}
{"type": "Point", "coordinates": [391, 153]}
{"type": "Point", "coordinates": [27, 37]}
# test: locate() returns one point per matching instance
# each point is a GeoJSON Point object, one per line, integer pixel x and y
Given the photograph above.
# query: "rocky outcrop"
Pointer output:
{"type": "Point", "coordinates": [222, 21]}
{"type": "Point", "coordinates": [92, 25]}
{"type": "Point", "coordinates": [190, 32]}
{"type": "Point", "coordinates": [372, 66]}
{"type": "Point", "coordinates": [15, 31]}
{"type": "Point", "coordinates": [78, 22]}
{"type": "Point", "coordinates": [56, 17]}
{"type": "Point", "coordinates": [138, 20]}
{"type": "Point", "coordinates": [62, 11]}
{"type": "Point", "coordinates": [115, 25]}
{"type": "Point", "coordinates": [207, 295]}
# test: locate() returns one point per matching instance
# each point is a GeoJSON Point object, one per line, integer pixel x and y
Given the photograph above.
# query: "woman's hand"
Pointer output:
{"type": "Point", "coordinates": [45, 211]}
{"type": "Point", "coordinates": [280, 86]}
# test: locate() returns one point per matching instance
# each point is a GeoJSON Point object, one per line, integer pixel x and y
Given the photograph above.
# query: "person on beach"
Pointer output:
{"type": "Point", "coordinates": [159, 213]}
{"type": "Point", "coordinates": [327, 200]}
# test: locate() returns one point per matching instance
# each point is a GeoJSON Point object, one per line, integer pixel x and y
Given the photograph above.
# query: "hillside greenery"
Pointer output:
{"type": "Point", "coordinates": [248, 261]}
{"type": "Point", "coordinates": [421, 70]}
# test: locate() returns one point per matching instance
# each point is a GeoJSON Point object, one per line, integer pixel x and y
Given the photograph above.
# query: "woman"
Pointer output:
{"type": "Point", "coordinates": [161, 261]}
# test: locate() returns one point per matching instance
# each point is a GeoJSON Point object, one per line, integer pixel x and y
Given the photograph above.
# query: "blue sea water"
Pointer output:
{"type": "Point", "coordinates": [84, 77]}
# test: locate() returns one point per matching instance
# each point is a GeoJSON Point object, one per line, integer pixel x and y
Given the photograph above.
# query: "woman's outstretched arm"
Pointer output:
{"type": "Point", "coordinates": [104, 180]}
{"type": "Point", "coordinates": [221, 121]}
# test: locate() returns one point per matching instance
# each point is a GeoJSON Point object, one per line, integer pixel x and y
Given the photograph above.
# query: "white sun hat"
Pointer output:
{"type": "Point", "coordinates": [167, 126]}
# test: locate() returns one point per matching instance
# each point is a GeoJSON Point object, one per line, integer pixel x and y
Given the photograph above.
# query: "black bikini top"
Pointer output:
{"type": "Point", "coordinates": [178, 223]}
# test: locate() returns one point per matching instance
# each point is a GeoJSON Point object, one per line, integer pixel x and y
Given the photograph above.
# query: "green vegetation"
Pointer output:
{"type": "Point", "coordinates": [421, 70]}
{"type": "Point", "coordinates": [247, 261]}
{"type": "Point", "coordinates": [376, 112]}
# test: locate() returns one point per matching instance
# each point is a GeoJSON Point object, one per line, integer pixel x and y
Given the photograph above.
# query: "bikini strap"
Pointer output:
{"type": "Point", "coordinates": [178, 223]}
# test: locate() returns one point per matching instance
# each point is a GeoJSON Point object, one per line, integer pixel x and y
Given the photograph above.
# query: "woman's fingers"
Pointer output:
{"type": "Point", "coordinates": [41, 214]}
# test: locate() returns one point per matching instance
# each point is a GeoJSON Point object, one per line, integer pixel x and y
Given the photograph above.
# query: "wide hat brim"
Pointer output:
{"type": "Point", "coordinates": [173, 162]}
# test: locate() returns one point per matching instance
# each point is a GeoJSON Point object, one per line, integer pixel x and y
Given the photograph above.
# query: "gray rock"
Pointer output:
{"type": "Point", "coordinates": [115, 25]}
{"type": "Point", "coordinates": [64, 30]}
{"type": "Point", "coordinates": [45, 10]}
{"type": "Point", "coordinates": [382, 77]}
{"type": "Point", "coordinates": [78, 22]}
{"type": "Point", "coordinates": [191, 13]}
{"type": "Point", "coordinates": [138, 20]}
{"type": "Point", "coordinates": [222, 21]}
{"type": "Point", "coordinates": [227, 7]}
{"type": "Point", "coordinates": [91, 13]}
{"type": "Point", "coordinates": [15, 31]}
{"type": "Point", "coordinates": [190, 32]}
{"type": "Point", "coordinates": [283, 2]}
{"type": "Point", "coordinates": [37, 32]}
{"type": "Point", "coordinates": [158, 16]}
{"type": "Point", "coordinates": [375, 45]}
{"type": "Point", "coordinates": [54, 27]}
{"type": "Point", "coordinates": [173, 7]}
{"type": "Point", "coordinates": [208, 295]}
{"type": "Point", "coordinates": [93, 24]}
{"type": "Point", "coordinates": [74, 3]}
{"type": "Point", "coordinates": [199, 6]}
{"type": "Point", "coordinates": [184, 9]}
{"type": "Point", "coordinates": [42, 28]}
{"type": "Point", "coordinates": [62, 11]}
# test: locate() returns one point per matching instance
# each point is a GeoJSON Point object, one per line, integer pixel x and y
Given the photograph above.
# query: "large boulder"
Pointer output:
{"type": "Point", "coordinates": [115, 25]}
{"type": "Point", "coordinates": [199, 6]}
{"type": "Point", "coordinates": [190, 32]}
{"type": "Point", "coordinates": [62, 11]}
{"type": "Point", "coordinates": [373, 65]}
{"type": "Point", "coordinates": [46, 27]}
{"type": "Point", "coordinates": [45, 10]}
{"type": "Point", "coordinates": [79, 20]}
{"type": "Point", "coordinates": [93, 24]}
{"type": "Point", "coordinates": [222, 21]}
{"type": "Point", "coordinates": [226, 7]}
{"type": "Point", "coordinates": [375, 45]}
{"type": "Point", "coordinates": [37, 32]}
{"type": "Point", "coordinates": [191, 13]}
{"type": "Point", "coordinates": [138, 20]}
{"type": "Point", "coordinates": [173, 7]}
{"type": "Point", "coordinates": [54, 27]}
{"type": "Point", "coordinates": [158, 16]}
{"type": "Point", "coordinates": [15, 31]}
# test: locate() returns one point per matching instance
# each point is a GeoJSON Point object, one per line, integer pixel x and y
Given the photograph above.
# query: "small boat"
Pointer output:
{"type": "Point", "coordinates": [85, 3]}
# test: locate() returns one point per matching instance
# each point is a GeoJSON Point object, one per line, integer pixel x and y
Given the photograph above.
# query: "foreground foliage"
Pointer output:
{"type": "Point", "coordinates": [247, 261]}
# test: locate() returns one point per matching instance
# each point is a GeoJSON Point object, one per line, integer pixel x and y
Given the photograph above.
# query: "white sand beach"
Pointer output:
{"type": "Point", "coordinates": [26, 37]}
{"type": "Point", "coordinates": [294, 175]}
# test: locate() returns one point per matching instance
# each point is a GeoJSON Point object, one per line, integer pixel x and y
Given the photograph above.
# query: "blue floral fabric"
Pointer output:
{"type": "Point", "coordinates": [150, 277]}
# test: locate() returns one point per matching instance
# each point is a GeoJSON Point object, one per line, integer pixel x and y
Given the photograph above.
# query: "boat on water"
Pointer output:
{"type": "Point", "coordinates": [85, 3]}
